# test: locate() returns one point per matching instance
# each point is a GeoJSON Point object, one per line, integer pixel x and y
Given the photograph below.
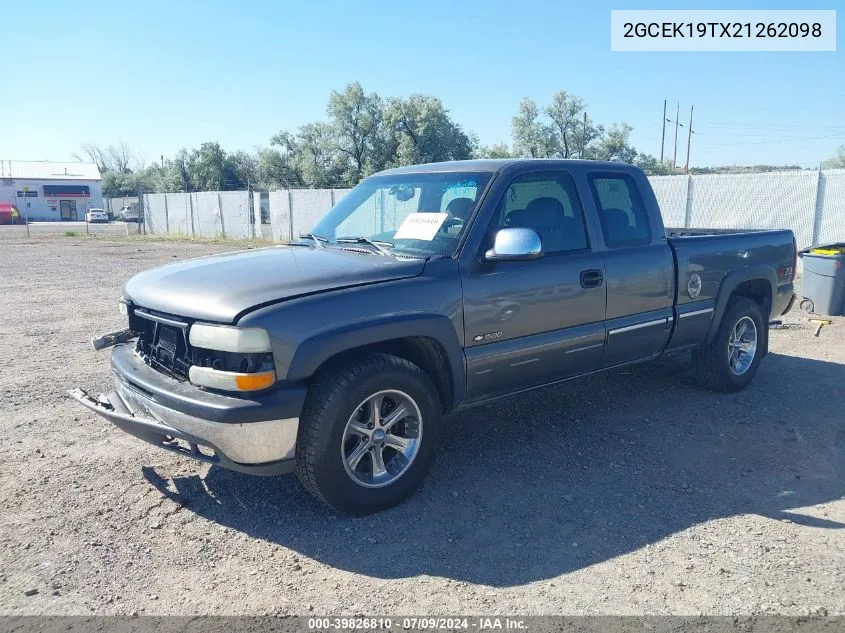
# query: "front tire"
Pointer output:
{"type": "Point", "coordinates": [728, 363]}
{"type": "Point", "coordinates": [368, 434]}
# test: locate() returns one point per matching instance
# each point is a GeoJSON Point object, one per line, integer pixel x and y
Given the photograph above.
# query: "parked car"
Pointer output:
{"type": "Point", "coordinates": [9, 214]}
{"type": "Point", "coordinates": [337, 356]}
{"type": "Point", "coordinates": [96, 216]}
{"type": "Point", "coordinates": [128, 214]}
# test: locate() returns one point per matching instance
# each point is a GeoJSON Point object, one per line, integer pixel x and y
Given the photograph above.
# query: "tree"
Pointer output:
{"type": "Point", "coordinates": [356, 119]}
{"type": "Point", "coordinates": [615, 145]}
{"type": "Point", "coordinates": [207, 167]}
{"type": "Point", "coordinates": [111, 158]}
{"type": "Point", "coordinates": [243, 169]}
{"type": "Point", "coordinates": [653, 167]}
{"type": "Point", "coordinates": [566, 113]}
{"type": "Point", "coordinates": [117, 185]}
{"type": "Point", "coordinates": [421, 131]}
{"type": "Point", "coordinates": [498, 150]}
{"type": "Point", "coordinates": [531, 137]}
{"type": "Point", "coordinates": [838, 162]}
{"type": "Point", "coordinates": [316, 161]}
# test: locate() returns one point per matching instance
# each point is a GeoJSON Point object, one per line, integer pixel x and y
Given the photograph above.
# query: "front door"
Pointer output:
{"type": "Point", "coordinates": [67, 209]}
{"type": "Point", "coordinates": [533, 322]}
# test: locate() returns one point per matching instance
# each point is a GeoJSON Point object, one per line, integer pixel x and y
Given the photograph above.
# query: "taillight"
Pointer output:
{"type": "Point", "coordinates": [794, 258]}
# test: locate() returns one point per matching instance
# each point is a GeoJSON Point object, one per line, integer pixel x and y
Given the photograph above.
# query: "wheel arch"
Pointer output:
{"type": "Point", "coordinates": [429, 341]}
{"type": "Point", "coordinates": [757, 283]}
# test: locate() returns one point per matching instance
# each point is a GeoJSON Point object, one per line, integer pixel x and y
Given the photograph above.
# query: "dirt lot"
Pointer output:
{"type": "Point", "coordinates": [630, 492]}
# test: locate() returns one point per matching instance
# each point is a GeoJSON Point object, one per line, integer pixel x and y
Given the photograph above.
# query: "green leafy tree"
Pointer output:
{"type": "Point", "coordinates": [205, 167]}
{"type": "Point", "coordinates": [615, 145]}
{"type": "Point", "coordinates": [498, 150]}
{"type": "Point", "coordinates": [653, 167]}
{"type": "Point", "coordinates": [317, 161]}
{"type": "Point", "coordinates": [117, 185]}
{"type": "Point", "coordinates": [567, 122]}
{"type": "Point", "coordinates": [355, 123]}
{"type": "Point", "coordinates": [421, 131]}
{"type": "Point", "coordinates": [242, 169]}
{"type": "Point", "coordinates": [532, 137]}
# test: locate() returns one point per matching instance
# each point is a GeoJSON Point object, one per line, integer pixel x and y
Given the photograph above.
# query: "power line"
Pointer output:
{"type": "Point", "coordinates": [779, 140]}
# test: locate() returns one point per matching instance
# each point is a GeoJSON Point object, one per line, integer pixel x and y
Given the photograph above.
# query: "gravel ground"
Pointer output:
{"type": "Point", "coordinates": [629, 492]}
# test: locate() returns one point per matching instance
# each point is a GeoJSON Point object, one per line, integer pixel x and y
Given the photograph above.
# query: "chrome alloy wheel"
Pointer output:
{"type": "Point", "coordinates": [382, 438]}
{"type": "Point", "coordinates": [742, 346]}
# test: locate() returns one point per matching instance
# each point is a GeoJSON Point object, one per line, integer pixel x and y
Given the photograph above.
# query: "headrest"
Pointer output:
{"type": "Point", "coordinates": [544, 212]}
{"type": "Point", "coordinates": [460, 207]}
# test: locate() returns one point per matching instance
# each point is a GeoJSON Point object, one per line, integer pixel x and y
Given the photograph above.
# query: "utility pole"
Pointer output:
{"type": "Point", "coordinates": [584, 136]}
{"type": "Point", "coordinates": [675, 156]}
{"type": "Point", "coordinates": [677, 125]}
{"type": "Point", "coordinates": [663, 136]}
{"type": "Point", "coordinates": [689, 140]}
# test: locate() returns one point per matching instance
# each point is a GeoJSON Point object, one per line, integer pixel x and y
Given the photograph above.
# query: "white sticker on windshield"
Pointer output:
{"type": "Point", "coordinates": [420, 226]}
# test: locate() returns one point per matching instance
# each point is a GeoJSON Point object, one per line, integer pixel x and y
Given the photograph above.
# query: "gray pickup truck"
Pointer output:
{"type": "Point", "coordinates": [425, 290]}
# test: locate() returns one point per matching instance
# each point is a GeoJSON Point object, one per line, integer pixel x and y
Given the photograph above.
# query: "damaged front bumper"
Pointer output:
{"type": "Point", "coordinates": [255, 436]}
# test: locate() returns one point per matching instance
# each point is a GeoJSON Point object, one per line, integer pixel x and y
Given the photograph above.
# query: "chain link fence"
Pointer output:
{"type": "Point", "coordinates": [811, 203]}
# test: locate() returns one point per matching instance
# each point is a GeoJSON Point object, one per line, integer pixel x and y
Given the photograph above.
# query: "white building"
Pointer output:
{"type": "Point", "coordinates": [43, 190]}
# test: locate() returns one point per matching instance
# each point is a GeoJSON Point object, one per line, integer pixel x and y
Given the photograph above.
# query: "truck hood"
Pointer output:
{"type": "Point", "coordinates": [221, 287]}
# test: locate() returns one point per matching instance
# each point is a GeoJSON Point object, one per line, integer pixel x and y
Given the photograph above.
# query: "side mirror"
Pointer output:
{"type": "Point", "coordinates": [515, 245]}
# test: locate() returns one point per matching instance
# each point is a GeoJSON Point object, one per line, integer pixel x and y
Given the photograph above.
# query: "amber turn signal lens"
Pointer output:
{"type": "Point", "coordinates": [229, 380]}
{"type": "Point", "coordinates": [254, 382]}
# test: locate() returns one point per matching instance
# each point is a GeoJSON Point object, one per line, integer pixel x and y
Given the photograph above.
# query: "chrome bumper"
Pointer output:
{"type": "Point", "coordinates": [260, 448]}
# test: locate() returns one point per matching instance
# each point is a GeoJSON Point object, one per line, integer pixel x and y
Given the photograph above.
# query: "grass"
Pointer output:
{"type": "Point", "coordinates": [72, 234]}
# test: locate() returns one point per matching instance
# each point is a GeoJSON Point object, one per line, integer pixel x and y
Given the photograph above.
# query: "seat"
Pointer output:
{"type": "Point", "coordinates": [616, 225]}
{"type": "Point", "coordinates": [544, 215]}
{"type": "Point", "coordinates": [572, 234]}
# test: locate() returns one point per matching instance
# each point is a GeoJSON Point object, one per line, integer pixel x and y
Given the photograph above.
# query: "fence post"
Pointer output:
{"type": "Point", "coordinates": [688, 211]}
{"type": "Point", "coordinates": [331, 194]}
{"type": "Point", "coordinates": [290, 213]}
{"type": "Point", "coordinates": [166, 216]}
{"type": "Point", "coordinates": [220, 211]}
{"type": "Point", "coordinates": [819, 208]}
{"type": "Point", "coordinates": [255, 199]}
{"type": "Point", "coordinates": [142, 212]}
{"type": "Point", "coordinates": [191, 206]}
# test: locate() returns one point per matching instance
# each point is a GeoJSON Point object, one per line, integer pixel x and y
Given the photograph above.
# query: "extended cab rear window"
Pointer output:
{"type": "Point", "coordinates": [624, 220]}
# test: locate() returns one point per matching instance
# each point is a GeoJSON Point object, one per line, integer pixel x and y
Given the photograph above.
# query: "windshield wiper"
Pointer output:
{"type": "Point", "coordinates": [317, 239]}
{"type": "Point", "coordinates": [378, 245]}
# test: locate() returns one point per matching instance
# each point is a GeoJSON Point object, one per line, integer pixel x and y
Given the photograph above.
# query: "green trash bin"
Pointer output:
{"type": "Point", "coordinates": [823, 283]}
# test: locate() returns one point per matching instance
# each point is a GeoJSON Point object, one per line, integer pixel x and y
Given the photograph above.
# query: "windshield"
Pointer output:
{"type": "Point", "coordinates": [421, 214]}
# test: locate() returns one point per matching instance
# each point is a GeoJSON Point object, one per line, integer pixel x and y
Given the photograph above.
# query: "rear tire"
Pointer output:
{"type": "Point", "coordinates": [339, 423]}
{"type": "Point", "coordinates": [728, 363]}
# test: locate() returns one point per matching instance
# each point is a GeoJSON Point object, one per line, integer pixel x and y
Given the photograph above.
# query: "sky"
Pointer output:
{"type": "Point", "coordinates": [162, 75]}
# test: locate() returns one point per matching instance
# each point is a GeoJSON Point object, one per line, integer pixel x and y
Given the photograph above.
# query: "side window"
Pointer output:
{"type": "Point", "coordinates": [548, 203]}
{"type": "Point", "coordinates": [624, 220]}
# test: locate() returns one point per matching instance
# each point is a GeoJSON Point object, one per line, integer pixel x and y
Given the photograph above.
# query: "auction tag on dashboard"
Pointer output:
{"type": "Point", "coordinates": [420, 226]}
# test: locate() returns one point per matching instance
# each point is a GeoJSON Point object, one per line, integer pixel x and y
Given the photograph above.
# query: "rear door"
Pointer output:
{"type": "Point", "coordinates": [638, 266]}
{"type": "Point", "coordinates": [532, 322]}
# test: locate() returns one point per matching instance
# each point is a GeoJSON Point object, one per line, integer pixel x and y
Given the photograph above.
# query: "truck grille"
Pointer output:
{"type": "Point", "coordinates": [162, 342]}
{"type": "Point", "coordinates": [164, 345]}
